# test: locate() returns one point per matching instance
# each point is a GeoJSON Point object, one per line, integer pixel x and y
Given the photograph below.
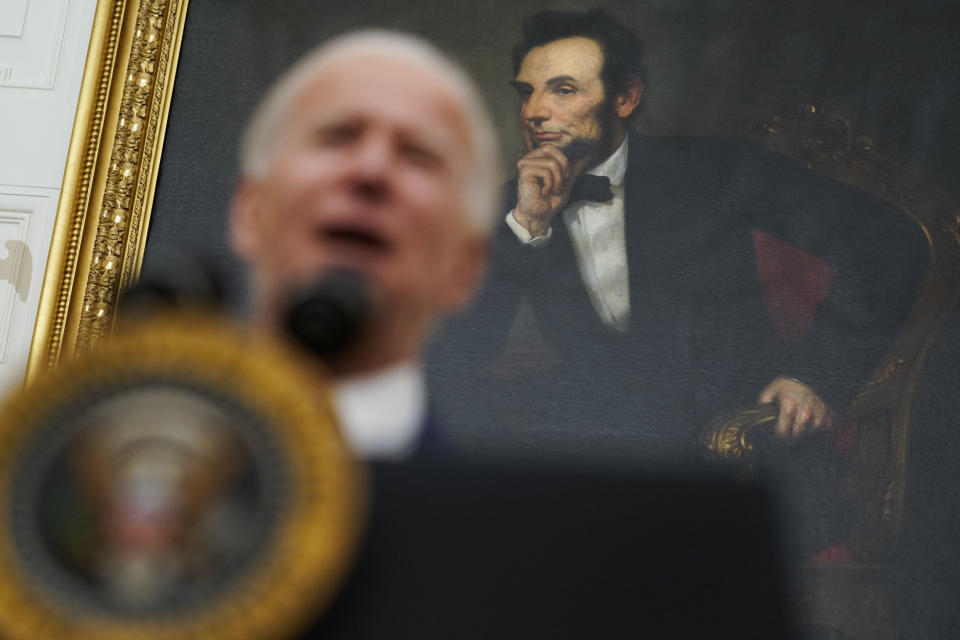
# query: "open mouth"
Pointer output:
{"type": "Point", "coordinates": [355, 240]}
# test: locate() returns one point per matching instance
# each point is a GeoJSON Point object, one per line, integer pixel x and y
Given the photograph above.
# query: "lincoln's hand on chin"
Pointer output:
{"type": "Point", "coordinates": [545, 176]}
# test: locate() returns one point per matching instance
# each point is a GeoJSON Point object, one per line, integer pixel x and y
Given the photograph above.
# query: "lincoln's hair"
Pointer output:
{"type": "Point", "coordinates": [622, 49]}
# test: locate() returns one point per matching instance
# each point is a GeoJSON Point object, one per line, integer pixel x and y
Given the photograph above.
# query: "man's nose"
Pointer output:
{"type": "Point", "coordinates": [370, 167]}
{"type": "Point", "coordinates": [535, 110]}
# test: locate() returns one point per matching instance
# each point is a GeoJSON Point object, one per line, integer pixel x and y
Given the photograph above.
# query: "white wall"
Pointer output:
{"type": "Point", "coordinates": [43, 47]}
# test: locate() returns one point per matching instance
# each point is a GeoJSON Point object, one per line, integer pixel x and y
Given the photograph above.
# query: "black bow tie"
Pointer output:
{"type": "Point", "coordinates": [590, 188]}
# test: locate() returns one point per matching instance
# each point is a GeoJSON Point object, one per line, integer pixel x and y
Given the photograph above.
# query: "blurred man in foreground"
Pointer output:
{"type": "Point", "coordinates": [372, 154]}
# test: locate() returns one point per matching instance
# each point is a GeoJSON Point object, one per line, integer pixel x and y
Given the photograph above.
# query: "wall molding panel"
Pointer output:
{"type": "Point", "coordinates": [43, 52]}
{"type": "Point", "coordinates": [31, 59]}
{"type": "Point", "coordinates": [13, 17]}
{"type": "Point", "coordinates": [26, 223]}
{"type": "Point", "coordinates": [14, 283]}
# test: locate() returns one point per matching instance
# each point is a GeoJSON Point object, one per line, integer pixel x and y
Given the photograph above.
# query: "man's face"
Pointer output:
{"type": "Point", "coordinates": [562, 95]}
{"type": "Point", "coordinates": [368, 173]}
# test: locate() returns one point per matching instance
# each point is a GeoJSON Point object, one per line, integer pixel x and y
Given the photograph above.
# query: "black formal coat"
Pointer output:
{"type": "Point", "coordinates": [743, 266]}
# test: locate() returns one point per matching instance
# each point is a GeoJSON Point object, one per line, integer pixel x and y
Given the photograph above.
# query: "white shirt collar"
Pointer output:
{"type": "Point", "coordinates": [615, 166]}
{"type": "Point", "coordinates": [382, 414]}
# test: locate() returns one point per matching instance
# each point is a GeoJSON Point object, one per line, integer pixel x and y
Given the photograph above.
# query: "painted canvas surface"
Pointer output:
{"type": "Point", "coordinates": [787, 191]}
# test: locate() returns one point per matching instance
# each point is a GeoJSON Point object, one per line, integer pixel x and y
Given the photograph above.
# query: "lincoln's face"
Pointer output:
{"type": "Point", "coordinates": [563, 100]}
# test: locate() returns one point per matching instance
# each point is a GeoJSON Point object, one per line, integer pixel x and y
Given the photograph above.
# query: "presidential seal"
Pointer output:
{"type": "Point", "coordinates": [186, 479]}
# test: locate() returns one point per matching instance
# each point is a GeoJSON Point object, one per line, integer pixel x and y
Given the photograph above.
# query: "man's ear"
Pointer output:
{"type": "Point", "coordinates": [244, 227]}
{"type": "Point", "coordinates": [466, 274]}
{"type": "Point", "coordinates": [626, 102]}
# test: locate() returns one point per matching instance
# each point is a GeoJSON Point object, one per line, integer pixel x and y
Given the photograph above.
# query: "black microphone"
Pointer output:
{"type": "Point", "coordinates": [329, 314]}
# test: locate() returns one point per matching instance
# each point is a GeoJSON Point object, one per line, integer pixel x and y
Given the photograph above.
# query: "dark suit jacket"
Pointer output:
{"type": "Point", "coordinates": [742, 265]}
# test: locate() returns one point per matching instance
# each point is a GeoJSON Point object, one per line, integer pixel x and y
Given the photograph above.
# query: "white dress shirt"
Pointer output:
{"type": "Point", "coordinates": [599, 242]}
{"type": "Point", "coordinates": [382, 415]}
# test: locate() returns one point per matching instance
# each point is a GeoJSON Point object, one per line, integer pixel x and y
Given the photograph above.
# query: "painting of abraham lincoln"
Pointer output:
{"type": "Point", "coordinates": [708, 208]}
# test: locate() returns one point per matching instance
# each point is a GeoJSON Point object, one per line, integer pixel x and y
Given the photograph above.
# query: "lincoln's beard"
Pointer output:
{"type": "Point", "coordinates": [596, 149]}
{"type": "Point", "coordinates": [580, 148]}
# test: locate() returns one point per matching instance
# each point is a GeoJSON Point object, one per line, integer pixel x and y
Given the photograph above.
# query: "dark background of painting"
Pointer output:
{"type": "Point", "coordinates": [717, 67]}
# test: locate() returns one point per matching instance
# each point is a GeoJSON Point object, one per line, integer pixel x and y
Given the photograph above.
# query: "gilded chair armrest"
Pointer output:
{"type": "Point", "coordinates": [730, 438]}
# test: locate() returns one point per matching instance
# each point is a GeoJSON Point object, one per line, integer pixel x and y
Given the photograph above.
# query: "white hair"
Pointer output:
{"type": "Point", "coordinates": [263, 130]}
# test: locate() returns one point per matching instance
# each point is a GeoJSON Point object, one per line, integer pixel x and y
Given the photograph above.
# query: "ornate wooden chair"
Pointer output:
{"type": "Point", "coordinates": [844, 594]}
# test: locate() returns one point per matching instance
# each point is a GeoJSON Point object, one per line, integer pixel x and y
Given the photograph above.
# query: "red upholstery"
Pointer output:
{"type": "Point", "coordinates": [793, 284]}
{"type": "Point", "coordinates": [840, 552]}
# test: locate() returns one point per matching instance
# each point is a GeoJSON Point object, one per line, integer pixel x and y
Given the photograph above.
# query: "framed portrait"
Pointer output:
{"type": "Point", "coordinates": [852, 103]}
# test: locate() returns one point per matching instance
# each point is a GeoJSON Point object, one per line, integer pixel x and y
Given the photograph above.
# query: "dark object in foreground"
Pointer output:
{"type": "Point", "coordinates": [457, 550]}
{"type": "Point", "coordinates": [327, 316]}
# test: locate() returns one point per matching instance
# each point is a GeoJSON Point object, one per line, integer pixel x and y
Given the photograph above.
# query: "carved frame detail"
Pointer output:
{"type": "Point", "coordinates": [111, 172]}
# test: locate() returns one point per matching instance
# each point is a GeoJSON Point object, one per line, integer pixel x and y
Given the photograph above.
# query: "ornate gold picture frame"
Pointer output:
{"type": "Point", "coordinates": [111, 172]}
